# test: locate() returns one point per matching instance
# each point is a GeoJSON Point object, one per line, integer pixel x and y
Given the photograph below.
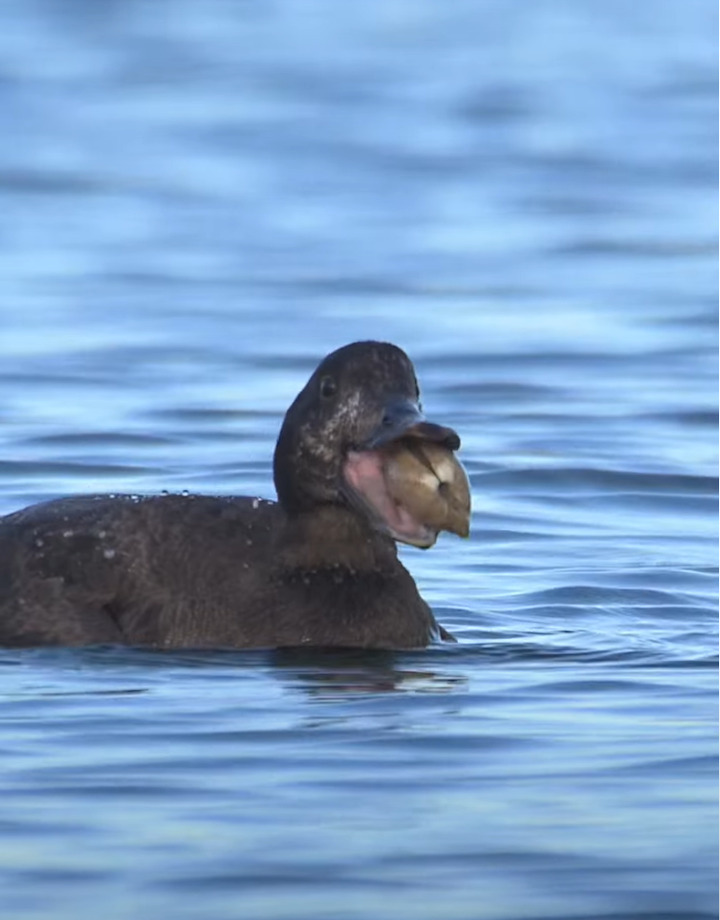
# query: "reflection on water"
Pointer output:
{"type": "Point", "coordinates": [332, 673]}
{"type": "Point", "coordinates": [199, 201]}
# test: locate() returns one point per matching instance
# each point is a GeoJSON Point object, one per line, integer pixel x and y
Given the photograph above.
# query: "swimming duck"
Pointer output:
{"type": "Point", "coordinates": [357, 467]}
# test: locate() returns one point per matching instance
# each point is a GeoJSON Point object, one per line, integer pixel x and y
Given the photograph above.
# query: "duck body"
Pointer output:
{"type": "Point", "coordinates": [176, 571]}
{"type": "Point", "coordinates": [319, 567]}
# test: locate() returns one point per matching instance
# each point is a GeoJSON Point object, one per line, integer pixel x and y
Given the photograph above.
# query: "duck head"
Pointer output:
{"type": "Point", "coordinates": [341, 438]}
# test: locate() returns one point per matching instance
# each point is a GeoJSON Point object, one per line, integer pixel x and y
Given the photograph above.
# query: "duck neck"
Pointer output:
{"type": "Point", "coordinates": [331, 536]}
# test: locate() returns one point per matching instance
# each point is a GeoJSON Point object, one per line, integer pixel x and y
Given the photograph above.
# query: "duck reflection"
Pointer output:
{"type": "Point", "coordinates": [331, 673]}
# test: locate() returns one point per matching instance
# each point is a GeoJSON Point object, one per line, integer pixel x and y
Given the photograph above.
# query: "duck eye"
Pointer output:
{"type": "Point", "coordinates": [328, 387]}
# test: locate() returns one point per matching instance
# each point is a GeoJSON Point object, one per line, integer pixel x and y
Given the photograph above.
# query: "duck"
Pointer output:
{"type": "Point", "coordinates": [317, 567]}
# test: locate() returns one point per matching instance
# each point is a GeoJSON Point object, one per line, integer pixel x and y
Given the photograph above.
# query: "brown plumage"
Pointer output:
{"type": "Point", "coordinates": [319, 567]}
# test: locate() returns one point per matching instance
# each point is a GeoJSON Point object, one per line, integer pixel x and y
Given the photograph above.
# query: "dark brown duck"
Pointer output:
{"type": "Point", "coordinates": [317, 567]}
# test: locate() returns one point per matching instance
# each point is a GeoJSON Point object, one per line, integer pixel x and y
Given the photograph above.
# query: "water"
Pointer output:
{"type": "Point", "coordinates": [201, 200]}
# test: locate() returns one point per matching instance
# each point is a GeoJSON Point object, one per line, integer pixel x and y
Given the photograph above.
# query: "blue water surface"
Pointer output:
{"type": "Point", "coordinates": [199, 200]}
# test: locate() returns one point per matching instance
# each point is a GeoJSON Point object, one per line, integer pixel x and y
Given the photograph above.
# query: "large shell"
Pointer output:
{"type": "Point", "coordinates": [428, 480]}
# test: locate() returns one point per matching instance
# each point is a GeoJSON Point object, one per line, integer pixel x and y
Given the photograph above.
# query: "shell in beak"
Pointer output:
{"type": "Point", "coordinates": [430, 483]}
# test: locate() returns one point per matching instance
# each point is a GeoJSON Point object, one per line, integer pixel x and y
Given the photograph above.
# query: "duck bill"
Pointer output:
{"type": "Point", "coordinates": [403, 419]}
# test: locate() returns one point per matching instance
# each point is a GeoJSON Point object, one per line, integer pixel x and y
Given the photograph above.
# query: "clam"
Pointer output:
{"type": "Point", "coordinates": [429, 481]}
